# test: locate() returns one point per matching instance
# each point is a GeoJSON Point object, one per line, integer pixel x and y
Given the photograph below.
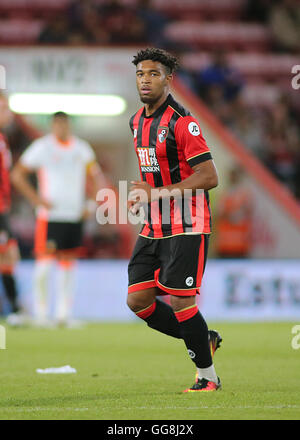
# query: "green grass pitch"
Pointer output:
{"type": "Point", "coordinates": [128, 371]}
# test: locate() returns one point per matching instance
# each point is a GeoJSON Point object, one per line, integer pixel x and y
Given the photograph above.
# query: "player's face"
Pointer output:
{"type": "Point", "coordinates": [5, 113]}
{"type": "Point", "coordinates": [152, 81]}
{"type": "Point", "coordinates": [61, 128]}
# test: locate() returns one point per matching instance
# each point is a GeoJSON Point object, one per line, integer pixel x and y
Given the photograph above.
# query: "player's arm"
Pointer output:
{"type": "Point", "coordinates": [96, 179]}
{"type": "Point", "coordinates": [20, 179]}
{"type": "Point", "coordinates": [204, 177]}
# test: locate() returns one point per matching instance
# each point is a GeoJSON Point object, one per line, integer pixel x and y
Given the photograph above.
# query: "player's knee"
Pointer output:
{"type": "Point", "coordinates": [42, 269]}
{"type": "Point", "coordinates": [181, 302]}
{"type": "Point", "coordinates": [137, 302]}
{"type": "Point", "coordinates": [132, 302]}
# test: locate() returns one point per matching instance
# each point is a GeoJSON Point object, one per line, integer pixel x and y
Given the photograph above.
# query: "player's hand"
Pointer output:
{"type": "Point", "coordinates": [140, 192]}
{"type": "Point", "coordinates": [86, 214]}
{"type": "Point", "coordinates": [133, 206]}
{"type": "Point", "coordinates": [89, 209]}
{"type": "Point", "coordinates": [44, 203]}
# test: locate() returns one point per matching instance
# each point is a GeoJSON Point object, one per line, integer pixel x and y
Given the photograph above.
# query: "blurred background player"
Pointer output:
{"type": "Point", "coordinates": [235, 218]}
{"type": "Point", "coordinates": [64, 164]}
{"type": "Point", "coordinates": [9, 252]}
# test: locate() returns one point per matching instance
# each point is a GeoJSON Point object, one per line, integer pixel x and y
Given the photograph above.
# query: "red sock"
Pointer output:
{"type": "Point", "coordinates": [189, 312]}
{"type": "Point", "coordinates": [145, 313]}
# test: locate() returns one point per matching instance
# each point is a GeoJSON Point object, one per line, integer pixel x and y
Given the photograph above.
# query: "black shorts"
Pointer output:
{"type": "Point", "coordinates": [5, 231]}
{"type": "Point", "coordinates": [6, 237]}
{"type": "Point", "coordinates": [175, 264]}
{"type": "Point", "coordinates": [51, 237]}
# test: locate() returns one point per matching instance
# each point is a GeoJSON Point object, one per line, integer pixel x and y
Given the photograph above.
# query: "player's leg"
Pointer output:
{"type": "Point", "coordinates": [142, 289]}
{"type": "Point", "coordinates": [9, 256]}
{"type": "Point", "coordinates": [160, 316]}
{"type": "Point", "coordinates": [67, 237]}
{"type": "Point", "coordinates": [141, 299]}
{"type": "Point", "coordinates": [42, 267]}
{"type": "Point", "coordinates": [65, 290]}
{"type": "Point", "coordinates": [142, 294]}
{"type": "Point", "coordinates": [157, 314]}
{"type": "Point", "coordinates": [194, 332]}
{"type": "Point", "coordinates": [180, 275]}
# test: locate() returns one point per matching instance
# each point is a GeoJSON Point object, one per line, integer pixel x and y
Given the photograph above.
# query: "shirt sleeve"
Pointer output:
{"type": "Point", "coordinates": [131, 123]}
{"type": "Point", "coordinates": [33, 156]}
{"type": "Point", "coordinates": [189, 137]}
{"type": "Point", "coordinates": [88, 153]}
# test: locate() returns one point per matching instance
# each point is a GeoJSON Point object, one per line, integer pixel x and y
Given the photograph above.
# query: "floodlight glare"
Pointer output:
{"type": "Point", "coordinates": [72, 104]}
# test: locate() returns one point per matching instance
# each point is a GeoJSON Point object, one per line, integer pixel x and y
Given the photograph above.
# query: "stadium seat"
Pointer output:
{"type": "Point", "coordinates": [213, 9]}
{"type": "Point", "coordinates": [10, 31]}
{"type": "Point", "coordinates": [31, 8]}
{"type": "Point", "coordinates": [266, 66]}
{"type": "Point", "coordinates": [259, 95]}
{"type": "Point", "coordinates": [220, 34]}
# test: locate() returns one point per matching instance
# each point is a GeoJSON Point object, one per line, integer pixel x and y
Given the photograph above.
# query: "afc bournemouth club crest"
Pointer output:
{"type": "Point", "coordinates": [162, 134]}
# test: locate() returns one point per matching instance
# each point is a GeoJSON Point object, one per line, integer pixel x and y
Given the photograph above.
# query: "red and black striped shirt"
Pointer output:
{"type": "Point", "coordinates": [5, 163]}
{"type": "Point", "coordinates": [168, 144]}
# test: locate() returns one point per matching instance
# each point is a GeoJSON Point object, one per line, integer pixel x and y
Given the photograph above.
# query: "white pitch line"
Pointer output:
{"type": "Point", "coordinates": [44, 409]}
{"type": "Point", "coordinates": [186, 408]}
{"type": "Point", "coordinates": [217, 407]}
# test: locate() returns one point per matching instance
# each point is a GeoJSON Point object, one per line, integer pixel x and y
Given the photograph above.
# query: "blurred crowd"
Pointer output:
{"type": "Point", "coordinates": [109, 22]}
{"type": "Point", "coordinates": [139, 22]}
{"type": "Point", "coordinates": [283, 18]}
{"type": "Point", "coordinates": [272, 134]}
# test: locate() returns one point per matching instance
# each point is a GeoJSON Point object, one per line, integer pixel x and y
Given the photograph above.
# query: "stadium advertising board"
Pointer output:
{"type": "Point", "coordinates": [250, 290]}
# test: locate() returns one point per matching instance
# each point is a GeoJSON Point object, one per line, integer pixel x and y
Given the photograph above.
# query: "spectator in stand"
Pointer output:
{"type": "Point", "coordinates": [154, 22]}
{"type": "Point", "coordinates": [82, 25]}
{"type": "Point", "coordinates": [283, 145]}
{"type": "Point", "coordinates": [122, 23]}
{"type": "Point", "coordinates": [222, 75]}
{"type": "Point", "coordinates": [271, 135]}
{"type": "Point", "coordinates": [284, 21]}
{"type": "Point", "coordinates": [297, 178]}
{"type": "Point", "coordinates": [94, 27]}
{"type": "Point", "coordinates": [293, 108]}
{"type": "Point", "coordinates": [133, 31]}
{"type": "Point", "coordinates": [112, 7]}
{"type": "Point", "coordinates": [257, 10]}
{"type": "Point", "coordinates": [248, 128]}
{"type": "Point", "coordinates": [55, 32]}
{"type": "Point", "coordinates": [86, 23]}
{"type": "Point", "coordinates": [222, 109]}
{"type": "Point", "coordinates": [77, 9]}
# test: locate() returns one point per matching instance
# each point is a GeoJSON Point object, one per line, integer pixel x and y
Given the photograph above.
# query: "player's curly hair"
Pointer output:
{"type": "Point", "coordinates": [154, 54]}
{"type": "Point", "coordinates": [60, 115]}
